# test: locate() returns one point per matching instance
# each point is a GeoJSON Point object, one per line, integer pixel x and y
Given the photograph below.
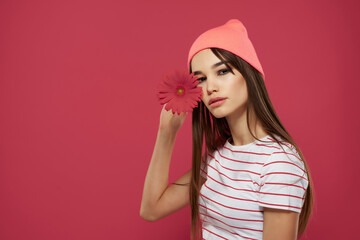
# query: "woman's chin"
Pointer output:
{"type": "Point", "coordinates": [218, 114]}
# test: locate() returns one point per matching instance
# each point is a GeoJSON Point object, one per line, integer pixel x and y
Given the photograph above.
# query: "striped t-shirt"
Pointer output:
{"type": "Point", "coordinates": [241, 180]}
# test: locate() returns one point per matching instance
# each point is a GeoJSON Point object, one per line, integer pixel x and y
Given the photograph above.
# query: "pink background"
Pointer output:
{"type": "Point", "coordinates": [79, 114]}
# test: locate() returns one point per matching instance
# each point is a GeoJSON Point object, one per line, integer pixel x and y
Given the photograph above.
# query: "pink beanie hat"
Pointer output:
{"type": "Point", "coordinates": [233, 37]}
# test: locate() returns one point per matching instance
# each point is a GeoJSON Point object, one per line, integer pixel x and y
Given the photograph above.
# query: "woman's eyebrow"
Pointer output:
{"type": "Point", "coordinates": [213, 66]}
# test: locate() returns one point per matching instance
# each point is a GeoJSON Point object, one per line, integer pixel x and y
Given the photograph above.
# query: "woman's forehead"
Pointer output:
{"type": "Point", "coordinates": [204, 59]}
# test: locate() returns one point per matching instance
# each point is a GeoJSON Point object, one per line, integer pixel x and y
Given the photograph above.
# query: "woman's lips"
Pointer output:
{"type": "Point", "coordinates": [218, 102]}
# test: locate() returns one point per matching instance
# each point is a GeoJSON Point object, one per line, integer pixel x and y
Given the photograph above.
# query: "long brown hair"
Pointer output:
{"type": "Point", "coordinates": [216, 131]}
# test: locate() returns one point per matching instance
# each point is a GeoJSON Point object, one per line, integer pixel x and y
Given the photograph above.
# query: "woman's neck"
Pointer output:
{"type": "Point", "coordinates": [239, 128]}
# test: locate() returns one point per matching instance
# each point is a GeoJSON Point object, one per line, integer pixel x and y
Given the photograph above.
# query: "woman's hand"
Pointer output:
{"type": "Point", "coordinates": [171, 122]}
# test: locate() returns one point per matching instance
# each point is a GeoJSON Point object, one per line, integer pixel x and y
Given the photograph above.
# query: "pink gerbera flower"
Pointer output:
{"type": "Point", "coordinates": [179, 91]}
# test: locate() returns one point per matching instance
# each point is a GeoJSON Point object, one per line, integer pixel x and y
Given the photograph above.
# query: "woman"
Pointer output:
{"type": "Point", "coordinates": [252, 182]}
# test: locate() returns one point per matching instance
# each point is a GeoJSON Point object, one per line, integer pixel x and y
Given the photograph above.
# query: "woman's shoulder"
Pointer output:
{"type": "Point", "coordinates": [285, 154]}
{"type": "Point", "coordinates": [282, 144]}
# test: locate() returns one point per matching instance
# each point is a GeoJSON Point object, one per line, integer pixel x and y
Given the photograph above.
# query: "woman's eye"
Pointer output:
{"type": "Point", "coordinates": [223, 71]}
{"type": "Point", "coordinates": [201, 79]}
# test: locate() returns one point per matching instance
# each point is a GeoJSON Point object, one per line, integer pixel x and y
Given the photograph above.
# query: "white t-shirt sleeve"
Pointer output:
{"type": "Point", "coordinates": [203, 166]}
{"type": "Point", "coordinates": [283, 181]}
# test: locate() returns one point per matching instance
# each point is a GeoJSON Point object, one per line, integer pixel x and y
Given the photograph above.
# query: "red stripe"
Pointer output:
{"type": "Point", "coordinates": [280, 205]}
{"type": "Point", "coordinates": [228, 195]}
{"type": "Point", "coordinates": [263, 145]}
{"type": "Point", "coordinates": [260, 186]}
{"type": "Point", "coordinates": [283, 143]}
{"type": "Point", "coordinates": [283, 184]}
{"type": "Point", "coordinates": [240, 189]}
{"type": "Point", "coordinates": [213, 233]}
{"type": "Point", "coordinates": [288, 154]}
{"type": "Point", "coordinates": [204, 172]}
{"type": "Point", "coordinates": [287, 144]}
{"type": "Point", "coordinates": [202, 166]}
{"type": "Point", "coordinates": [236, 170]}
{"type": "Point", "coordinates": [250, 220]}
{"type": "Point", "coordinates": [255, 230]}
{"type": "Point", "coordinates": [242, 180]}
{"type": "Point", "coordinates": [285, 162]}
{"type": "Point", "coordinates": [283, 173]}
{"type": "Point", "coordinates": [254, 191]}
{"type": "Point", "coordinates": [230, 231]}
{"type": "Point", "coordinates": [246, 152]}
{"type": "Point", "coordinates": [279, 194]}
{"type": "Point", "coordinates": [239, 209]}
{"type": "Point", "coordinates": [239, 160]}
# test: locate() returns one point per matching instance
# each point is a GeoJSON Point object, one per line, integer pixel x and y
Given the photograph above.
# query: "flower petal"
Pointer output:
{"type": "Point", "coordinates": [167, 91]}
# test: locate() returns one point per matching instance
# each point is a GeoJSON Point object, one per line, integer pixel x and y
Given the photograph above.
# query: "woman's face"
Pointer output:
{"type": "Point", "coordinates": [224, 93]}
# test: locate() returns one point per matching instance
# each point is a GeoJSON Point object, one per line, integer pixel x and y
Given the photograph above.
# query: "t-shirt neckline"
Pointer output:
{"type": "Point", "coordinates": [246, 146]}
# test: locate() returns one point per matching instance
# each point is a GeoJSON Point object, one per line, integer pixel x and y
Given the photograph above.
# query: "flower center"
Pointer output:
{"type": "Point", "coordinates": [180, 91]}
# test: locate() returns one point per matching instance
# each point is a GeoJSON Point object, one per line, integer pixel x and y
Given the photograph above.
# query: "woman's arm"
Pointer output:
{"type": "Point", "coordinates": [160, 199]}
{"type": "Point", "coordinates": [280, 224]}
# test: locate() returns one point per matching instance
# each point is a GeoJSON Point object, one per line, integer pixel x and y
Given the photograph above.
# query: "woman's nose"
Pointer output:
{"type": "Point", "coordinates": [211, 85]}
